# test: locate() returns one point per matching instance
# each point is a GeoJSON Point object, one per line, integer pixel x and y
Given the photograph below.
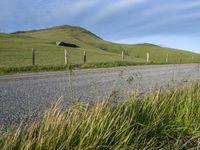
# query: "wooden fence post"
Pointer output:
{"type": "Point", "coordinates": [33, 56]}
{"type": "Point", "coordinates": [66, 57]}
{"type": "Point", "coordinates": [167, 58]}
{"type": "Point", "coordinates": [122, 55]}
{"type": "Point", "coordinates": [180, 58]}
{"type": "Point", "coordinates": [147, 57]}
{"type": "Point", "coordinates": [84, 57]}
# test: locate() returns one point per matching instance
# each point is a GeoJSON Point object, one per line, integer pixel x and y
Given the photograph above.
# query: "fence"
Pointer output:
{"type": "Point", "coordinates": [123, 58]}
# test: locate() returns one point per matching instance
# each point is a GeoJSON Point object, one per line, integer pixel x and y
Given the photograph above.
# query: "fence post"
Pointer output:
{"type": "Point", "coordinates": [33, 56]}
{"type": "Point", "coordinates": [66, 57]}
{"type": "Point", "coordinates": [122, 55]}
{"type": "Point", "coordinates": [167, 58]}
{"type": "Point", "coordinates": [180, 58]}
{"type": "Point", "coordinates": [147, 57]}
{"type": "Point", "coordinates": [84, 57]}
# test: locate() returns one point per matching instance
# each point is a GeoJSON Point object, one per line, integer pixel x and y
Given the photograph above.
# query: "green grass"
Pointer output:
{"type": "Point", "coordinates": [161, 120]}
{"type": "Point", "coordinates": [37, 68]}
{"type": "Point", "coordinates": [15, 49]}
{"type": "Point", "coordinates": [46, 68]}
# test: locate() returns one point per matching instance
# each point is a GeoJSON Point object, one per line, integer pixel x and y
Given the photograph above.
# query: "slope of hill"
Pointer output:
{"type": "Point", "coordinates": [15, 48]}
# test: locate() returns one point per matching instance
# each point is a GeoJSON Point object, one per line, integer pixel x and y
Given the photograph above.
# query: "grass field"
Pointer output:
{"type": "Point", "coordinates": [161, 120]}
{"type": "Point", "coordinates": [15, 49]}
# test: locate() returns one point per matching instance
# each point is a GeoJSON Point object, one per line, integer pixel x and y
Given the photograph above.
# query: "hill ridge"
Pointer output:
{"type": "Point", "coordinates": [15, 48]}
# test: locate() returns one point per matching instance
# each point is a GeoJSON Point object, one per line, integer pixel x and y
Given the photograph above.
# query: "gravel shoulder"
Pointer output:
{"type": "Point", "coordinates": [24, 96]}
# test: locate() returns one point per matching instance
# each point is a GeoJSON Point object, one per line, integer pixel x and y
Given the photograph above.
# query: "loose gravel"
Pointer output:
{"type": "Point", "coordinates": [24, 96]}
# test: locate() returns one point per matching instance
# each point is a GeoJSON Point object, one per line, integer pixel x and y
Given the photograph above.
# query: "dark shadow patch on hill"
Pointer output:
{"type": "Point", "coordinates": [65, 44]}
{"type": "Point", "coordinates": [148, 44]}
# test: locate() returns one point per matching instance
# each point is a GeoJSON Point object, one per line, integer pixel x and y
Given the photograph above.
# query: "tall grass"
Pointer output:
{"type": "Point", "coordinates": [39, 68]}
{"type": "Point", "coordinates": [36, 68]}
{"type": "Point", "coordinates": [44, 68]}
{"type": "Point", "coordinates": [161, 120]}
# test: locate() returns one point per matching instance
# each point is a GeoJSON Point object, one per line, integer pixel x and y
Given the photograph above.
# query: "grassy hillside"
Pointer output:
{"type": "Point", "coordinates": [15, 48]}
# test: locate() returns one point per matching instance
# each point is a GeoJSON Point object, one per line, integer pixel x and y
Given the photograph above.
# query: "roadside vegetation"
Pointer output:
{"type": "Point", "coordinates": [44, 68]}
{"type": "Point", "coordinates": [168, 119]}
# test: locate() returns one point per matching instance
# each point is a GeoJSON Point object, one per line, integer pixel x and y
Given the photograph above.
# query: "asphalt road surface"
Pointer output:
{"type": "Point", "coordinates": [24, 96]}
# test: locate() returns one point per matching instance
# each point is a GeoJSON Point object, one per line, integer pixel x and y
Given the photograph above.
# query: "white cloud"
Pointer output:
{"type": "Point", "coordinates": [161, 14]}
{"type": "Point", "coordinates": [121, 4]}
{"type": "Point", "coordinates": [65, 9]}
{"type": "Point", "coordinates": [112, 7]}
{"type": "Point", "coordinates": [81, 5]}
{"type": "Point", "coordinates": [169, 20]}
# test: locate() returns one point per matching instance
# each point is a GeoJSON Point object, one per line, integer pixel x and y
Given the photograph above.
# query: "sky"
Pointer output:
{"type": "Point", "coordinates": [168, 23]}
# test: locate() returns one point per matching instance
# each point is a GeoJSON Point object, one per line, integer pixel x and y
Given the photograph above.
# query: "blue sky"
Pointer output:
{"type": "Point", "coordinates": [170, 23]}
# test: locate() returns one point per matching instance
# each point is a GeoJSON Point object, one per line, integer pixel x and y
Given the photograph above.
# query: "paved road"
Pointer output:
{"type": "Point", "coordinates": [25, 95]}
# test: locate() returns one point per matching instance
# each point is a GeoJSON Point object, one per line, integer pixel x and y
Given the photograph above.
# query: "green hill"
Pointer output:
{"type": "Point", "coordinates": [15, 48]}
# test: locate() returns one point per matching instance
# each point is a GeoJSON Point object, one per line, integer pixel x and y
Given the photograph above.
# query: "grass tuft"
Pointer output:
{"type": "Point", "coordinates": [161, 120]}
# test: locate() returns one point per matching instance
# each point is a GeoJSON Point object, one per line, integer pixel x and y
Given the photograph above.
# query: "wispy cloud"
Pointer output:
{"type": "Point", "coordinates": [65, 11]}
{"type": "Point", "coordinates": [69, 8]}
{"type": "Point", "coordinates": [114, 20]}
{"type": "Point", "coordinates": [112, 7]}
{"type": "Point", "coordinates": [168, 18]}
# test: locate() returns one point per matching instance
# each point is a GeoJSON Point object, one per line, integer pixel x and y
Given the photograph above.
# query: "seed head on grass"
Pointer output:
{"type": "Point", "coordinates": [167, 119]}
